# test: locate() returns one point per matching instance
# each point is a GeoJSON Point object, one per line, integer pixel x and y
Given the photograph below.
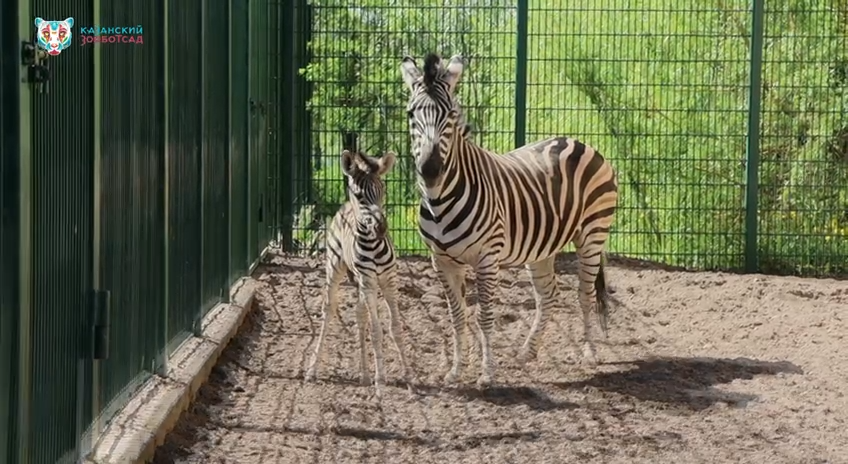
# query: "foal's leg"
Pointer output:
{"type": "Point", "coordinates": [336, 270]}
{"type": "Point", "coordinates": [395, 329]}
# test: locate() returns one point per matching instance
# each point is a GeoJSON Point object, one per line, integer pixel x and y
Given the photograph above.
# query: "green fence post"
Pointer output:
{"type": "Point", "coordinates": [97, 240]}
{"type": "Point", "coordinates": [753, 142]}
{"type": "Point", "coordinates": [251, 143]}
{"type": "Point", "coordinates": [230, 132]}
{"type": "Point", "coordinates": [287, 157]}
{"type": "Point", "coordinates": [521, 73]}
{"type": "Point", "coordinates": [197, 326]}
{"type": "Point", "coordinates": [166, 182]}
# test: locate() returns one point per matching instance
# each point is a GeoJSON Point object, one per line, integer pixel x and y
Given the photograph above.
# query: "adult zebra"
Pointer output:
{"type": "Point", "coordinates": [491, 211]}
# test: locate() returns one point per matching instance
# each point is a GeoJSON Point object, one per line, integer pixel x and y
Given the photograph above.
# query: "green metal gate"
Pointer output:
{"type": "Point", "coordinates": [55, 358]}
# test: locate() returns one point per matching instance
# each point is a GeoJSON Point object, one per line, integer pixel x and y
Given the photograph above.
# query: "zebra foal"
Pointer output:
{"type": "Point", "coordinates": [359, 246]}
{"type": "Point", "coordinates": [493, 211]}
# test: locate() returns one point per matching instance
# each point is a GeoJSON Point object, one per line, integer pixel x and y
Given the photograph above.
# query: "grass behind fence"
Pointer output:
{"type": "Point", "coordinates": [659, 86]}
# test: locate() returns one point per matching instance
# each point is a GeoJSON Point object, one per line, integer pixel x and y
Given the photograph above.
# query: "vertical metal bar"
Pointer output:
{"type": "Point", "coordinates": [25, 265]}
{"type": "Point", "coordinates": [197, 327]}
{"type": "Point", "coordinates": [166, 179]}
{"type": "Point", "coordinates": [521, 74]}
{"type": "Point", "coordinates": [97, 238]}
{"type": "Point", "coordinates": [251, 212]}
{"type": "Point", "coordinates": [287, 68]}
{"type": "Point", "coordinates": [753, 142]}
{"type": "Point", "coordinates": [230, 138]}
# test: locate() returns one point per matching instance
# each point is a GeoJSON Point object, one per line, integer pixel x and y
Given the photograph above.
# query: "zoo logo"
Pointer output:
{"type": "Point", "coordinates": [54, 36]}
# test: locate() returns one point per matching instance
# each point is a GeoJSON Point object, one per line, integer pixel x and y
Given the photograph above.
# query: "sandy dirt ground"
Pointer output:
{"type": "Point", "coordinates": [698, 368]}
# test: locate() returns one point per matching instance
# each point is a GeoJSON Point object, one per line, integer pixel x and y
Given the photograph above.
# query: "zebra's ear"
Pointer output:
{"type": "Point", "coordinates": [387, 162]}
{"type": "Point", "coordinates": [409, 71]}
{"type": "Point", "coordinates": [348, 163]}
{"type": "Point", "coordinates": [454, 71]}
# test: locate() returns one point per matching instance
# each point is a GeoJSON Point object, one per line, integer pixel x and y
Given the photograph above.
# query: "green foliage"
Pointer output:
{"type": "Point", "coordinates": [659, 86]}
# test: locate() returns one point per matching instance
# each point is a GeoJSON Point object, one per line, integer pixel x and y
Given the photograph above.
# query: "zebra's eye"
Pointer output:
{"type": "Point", "coordinates": [410, 114]}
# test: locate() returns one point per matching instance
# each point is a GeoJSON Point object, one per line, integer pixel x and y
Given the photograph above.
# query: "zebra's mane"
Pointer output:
{"type": "Point", "coordinates": [432, 69]}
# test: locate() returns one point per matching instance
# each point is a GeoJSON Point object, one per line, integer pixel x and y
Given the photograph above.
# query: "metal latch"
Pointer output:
{"type": "Point", "coordinates": [35, 59]}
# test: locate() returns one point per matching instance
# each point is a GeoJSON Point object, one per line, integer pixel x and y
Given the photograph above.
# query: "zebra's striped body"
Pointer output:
{"type": "Point", "coordinates": [359, 245]}
{"type": "Point", "coordinates": [491, 211]}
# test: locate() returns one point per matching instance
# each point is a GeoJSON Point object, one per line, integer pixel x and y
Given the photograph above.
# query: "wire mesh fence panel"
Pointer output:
{"type": "Point", "coordinates": [132, 208]}
{"type": "Point", "coordinates": [56, 313]}
{"type": "Point", "coordinates": [185, 120]}
{"type": "Point", "coordinates": [659, 88]}
{"type": "Point", "coordinates": [358, 100]}
{"type": "Point", "coordinates": [803, 178]}
{"type": "Point", "coordinates": [215, 153]}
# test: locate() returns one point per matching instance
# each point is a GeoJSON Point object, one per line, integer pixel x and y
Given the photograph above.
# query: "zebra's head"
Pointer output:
{"type": "Point", "coordinates": [434, 115]}
{"type": "Point", "coordinates": [368, 191]}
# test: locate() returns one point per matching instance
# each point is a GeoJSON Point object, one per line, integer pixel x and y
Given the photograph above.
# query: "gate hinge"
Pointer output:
{"type": "Point", "coordinates": [102, 307]}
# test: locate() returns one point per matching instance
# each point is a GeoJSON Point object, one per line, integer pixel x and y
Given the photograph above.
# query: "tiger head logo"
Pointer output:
{"type": "Point", "coordinates": [54, 36]}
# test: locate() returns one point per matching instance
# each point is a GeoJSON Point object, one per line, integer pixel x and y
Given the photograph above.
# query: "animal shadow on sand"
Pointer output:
{"type": "Point", "coordinates": [683, 382]}
{"type": "Point", "coordinates": [512, 395]}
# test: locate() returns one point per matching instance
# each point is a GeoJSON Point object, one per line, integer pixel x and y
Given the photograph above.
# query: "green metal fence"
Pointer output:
{"type": "Point", "coordinates": [727, 120]}
{"type": "Point", "coordinates": [135, 190]}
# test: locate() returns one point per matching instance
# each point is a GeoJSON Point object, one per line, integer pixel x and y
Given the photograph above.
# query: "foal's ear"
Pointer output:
{"type": "Point", "coordinates": [348, 163]}
{"type": "Point", "coordinates": [387, 162]}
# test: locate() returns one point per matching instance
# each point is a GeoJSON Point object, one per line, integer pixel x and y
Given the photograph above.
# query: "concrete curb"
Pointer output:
{"type": "Point", "coordinates": [142, 425]}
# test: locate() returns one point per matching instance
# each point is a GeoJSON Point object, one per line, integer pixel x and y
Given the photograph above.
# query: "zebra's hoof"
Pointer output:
{"type": "Point", "coordinates": [525, 356]}
{"type": "Point", "coordinates": [309, 376]}
{"type": "Point", "coordinates": [450, 378]}
{"type": "Point", "coordinates": [410, 380]}
{"type": "Point", "coordinates": [484, 381]}
{"type": "Point", "coordinates": [365, 380]}
{"type": "Point", "coordinates": [589, 357]}
{"type": "Point", "coordinates": [571, 357]}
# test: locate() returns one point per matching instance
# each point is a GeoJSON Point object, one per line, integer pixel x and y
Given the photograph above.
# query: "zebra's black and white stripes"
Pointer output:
{"type": "Point", "coordinates": [358, 243]}
{"type": "Point", "coordinates": [491, 211]}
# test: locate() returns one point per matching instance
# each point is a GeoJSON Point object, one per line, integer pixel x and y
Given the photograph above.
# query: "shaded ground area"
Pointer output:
{"type": "Point", "coordinates": [698, 367]}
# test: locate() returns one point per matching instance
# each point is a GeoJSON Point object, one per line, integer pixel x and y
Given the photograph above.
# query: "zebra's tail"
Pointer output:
{"type": "Point", "coordinates": [602, 298]}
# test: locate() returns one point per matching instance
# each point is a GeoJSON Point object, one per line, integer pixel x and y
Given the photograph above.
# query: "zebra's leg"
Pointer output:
{"type": "Point", "coordinates": [588, 267]}
{"type": "Point", "coordinates": [370, 295]}
{"type": "Point", "coordinates": [544, 281]}
{"type": "Point", "coordinates": [336, 270]}
{"type": "Point", "coordinates": [395, 330]}
{"type": "Point", "coordinates": [362, 326]}
{"type": "Point", "coordinates": [452, 278]}
{"type": "Point", "coordinates": [487, 283]}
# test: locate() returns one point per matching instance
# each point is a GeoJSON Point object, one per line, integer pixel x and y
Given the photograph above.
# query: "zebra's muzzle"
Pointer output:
{"type": "Point", "coordinates": [431, 168]}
